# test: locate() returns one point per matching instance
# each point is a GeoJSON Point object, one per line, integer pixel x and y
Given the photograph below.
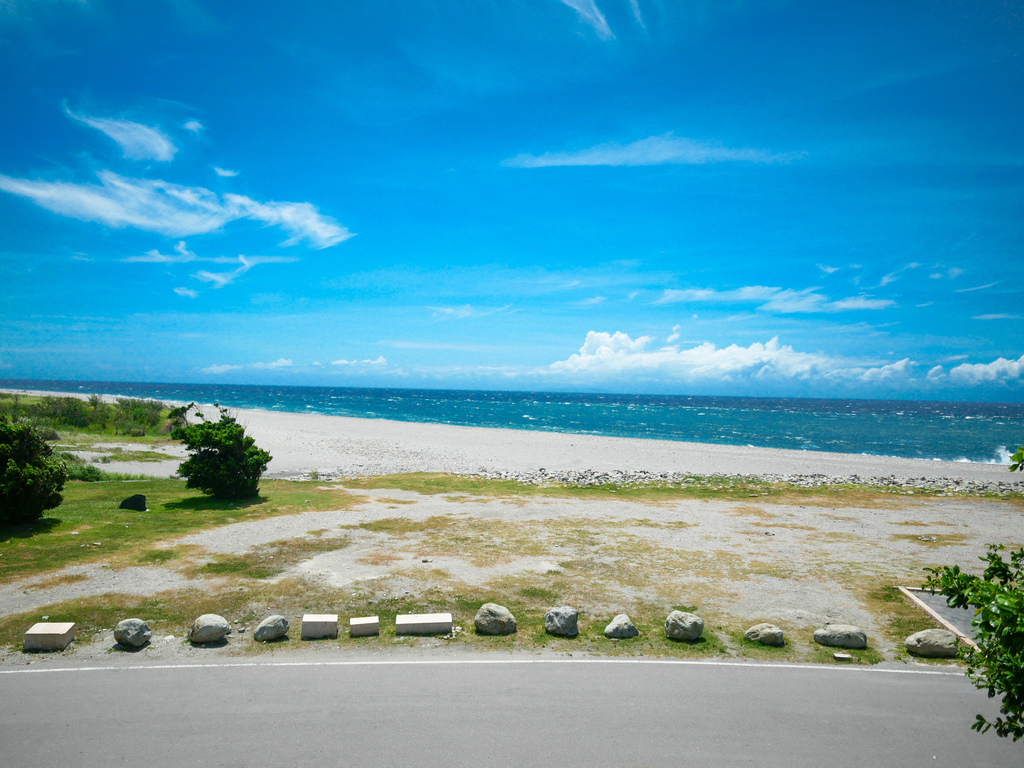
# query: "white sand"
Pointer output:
{"type": "Point", "coordinates": [344, 446]}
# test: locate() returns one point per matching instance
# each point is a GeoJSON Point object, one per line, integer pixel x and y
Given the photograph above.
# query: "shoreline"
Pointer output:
{"type": "Point", "coordinates": [346, 446]}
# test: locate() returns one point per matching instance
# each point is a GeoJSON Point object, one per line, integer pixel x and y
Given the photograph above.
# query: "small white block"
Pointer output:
{"type": "Point", "coordinates": [842, 656]}
{"type": "Point", "coordinates": [364, 626]}
{"type": "Point", "coordinates": [424, 624]}
{"type": "Point", "coordinates": [50, 636]}
{"type": "Point", "coordinates": [317, 625]}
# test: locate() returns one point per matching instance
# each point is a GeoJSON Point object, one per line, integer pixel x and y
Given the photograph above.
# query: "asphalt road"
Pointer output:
{"type": "Point", "coordinates": [493, 712]}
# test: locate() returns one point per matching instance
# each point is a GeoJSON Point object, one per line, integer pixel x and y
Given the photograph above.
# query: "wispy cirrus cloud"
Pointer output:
{"type": "Point", "coordinates": [591, 14]}
{"type": "Point", "coordinates": [220, 279]}
{"type": "Point", "coordinates": [137, 141]}
{"type": "Point", "coordinates": [667, 149]}
{"type": "Point", "coordinates": [193, 125]}
{"type": "Point", "coordinates": [181, 255]}
{"type": "Point", "coordinates": [224, 172]}
{"type": "Point", "coordinates": [977, 288]}
{"type": "Point", "coordinates": [770, 299]}
{"type": "Point", "coordinates": [173, 209]}
{"type": "Point", "coordinates": [187, 292]}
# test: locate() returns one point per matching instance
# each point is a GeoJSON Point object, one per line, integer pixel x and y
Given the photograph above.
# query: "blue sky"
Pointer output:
{"type": "Point", "coordinates": [758, 198]}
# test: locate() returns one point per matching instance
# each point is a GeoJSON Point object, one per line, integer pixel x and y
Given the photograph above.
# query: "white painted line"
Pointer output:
{"type": "Point", "coordinates": [474, 662]}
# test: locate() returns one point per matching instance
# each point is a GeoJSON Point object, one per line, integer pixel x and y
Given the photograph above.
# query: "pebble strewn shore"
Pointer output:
{"type": "Point", "coordinates": [588, 478]}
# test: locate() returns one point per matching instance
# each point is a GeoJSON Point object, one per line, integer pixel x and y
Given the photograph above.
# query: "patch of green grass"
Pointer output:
{"type": "Point", "coordinates": [90, 509]}
{"type": "Point", "coordinates": [269, 560]}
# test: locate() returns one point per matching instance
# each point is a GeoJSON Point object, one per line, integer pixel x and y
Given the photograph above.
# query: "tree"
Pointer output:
{"type": "Point", "coordinates": [998, 601]}
{"type": "Point", "coordinates": [223, 462]}
{"type": "Point", "coordinates": [31, 479]}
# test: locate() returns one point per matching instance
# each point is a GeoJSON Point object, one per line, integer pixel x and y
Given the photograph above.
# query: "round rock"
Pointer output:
{"type": "Point", "coordinates": [271, 628]}
{"type": "Point", "coordinates": [932, 644]}
{"type": "Point", "coordinates": [209, 628]}
{"type": "Point", "coordinates": [841, 636]}
{"type": "Point", "coordinates": [494, 619]}
{"type": "Point", "coordinates": [132, 633]}
{"type": "Point", "coordinates": [621, 628]}
{"type": "Point", "coordinates": [765, 634]}
{"type": "Point", "coordinates": [563, 621]}
{"type": "Point", "coordinates": [681, 625]}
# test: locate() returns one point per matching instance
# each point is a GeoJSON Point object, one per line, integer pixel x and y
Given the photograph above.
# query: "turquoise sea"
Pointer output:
{"type": "Point", "coordinates": [955, 431]}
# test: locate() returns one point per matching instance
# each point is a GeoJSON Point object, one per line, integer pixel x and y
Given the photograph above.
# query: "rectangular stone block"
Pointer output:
{"type": "Point", "coordinates": [423, 624]}
{"type": "Point", "coordinates": [364, 626]}
{"type": "Point", "coordinates": [50, 636]}
{"type": "Point", "coordinates": [317, 625]}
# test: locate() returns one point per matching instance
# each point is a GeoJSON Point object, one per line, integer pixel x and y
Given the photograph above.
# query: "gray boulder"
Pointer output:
{"type": "Point", "coordinates": [841, 636]}
{"type": "Point", "coordinates": [621, 628]}
{"type": "Point", "coordinates": [271, 628]}
{"type": "Point", "coordinates": [132, 633]}
{"type": "Point", "coordinates": [494, 619]}
{"type": "Point", "coordinates": [136, 502]}
{"type": "Point", "coordinates": [563, 621]}
{"type": "Point", "coordinates": [681, 625]}
{"type": "Point", "coordinates": [932, 644]}
{"type": "Point", "coordinates": [209, 628]}
{"type": "Point", "coordinates": [765, 634]}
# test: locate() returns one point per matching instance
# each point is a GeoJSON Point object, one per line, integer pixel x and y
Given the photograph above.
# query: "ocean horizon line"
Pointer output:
{"type": "Point", "coordinates": [978, 432]}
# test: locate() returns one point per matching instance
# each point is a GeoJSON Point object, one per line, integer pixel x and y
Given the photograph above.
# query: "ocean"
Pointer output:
{"type": "Point", "coordinates": [953, 431]}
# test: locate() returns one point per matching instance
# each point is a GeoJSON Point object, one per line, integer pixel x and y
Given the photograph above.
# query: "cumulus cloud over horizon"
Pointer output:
{"type": "Point", "coordinates": [615, 354]}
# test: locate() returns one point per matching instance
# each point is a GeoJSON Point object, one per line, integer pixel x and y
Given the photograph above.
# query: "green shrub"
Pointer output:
{"type": "Point", "coordinates": [223, 462]}
{"type": "Point", "coordinates": [31, 477]}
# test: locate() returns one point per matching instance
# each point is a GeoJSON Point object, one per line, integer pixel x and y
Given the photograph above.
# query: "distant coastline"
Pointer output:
{"type": "Point", "coordinates": [943, 431]}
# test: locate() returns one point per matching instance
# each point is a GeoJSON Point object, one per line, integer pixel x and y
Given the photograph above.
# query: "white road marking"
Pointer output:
{"type": "Point", "coordinates": [470, 662]}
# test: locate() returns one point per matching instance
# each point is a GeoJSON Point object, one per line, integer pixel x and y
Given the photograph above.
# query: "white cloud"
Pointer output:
{"type": "Point", "coordinates": [279, 363]}
{"type": "Point", "coordinates": [605, 355]}
{"type": "Point", "coordinates": [977, 288]}
{"type": "Point", "coordinates": [379, 361]}
{"type": "Point", "coordinates": [827, 269]}
{"type": "Point", "coordinates": [193, 125]}
{"type": "Point", "coordinates": [770, 299]}
{"type": "Point", "coordinates": [999, 370]}
{"type": "Point", "coordinates": [634, 5]}
{"type": "Point", "coordinates": [224, 172]}
{"type": "Point", "coordinates": [220, 368]}
{"type": "Point", "coordinates": [183, 254]}
{"type": "Point", "coordinates": [137, 141]}
{"type": "Point", "coordinates": [997, 317]}
{"type": "Point", "coordinates": [186, 292]}
{"type": "Point", "coordinates": [172, 209]}
{"type": "Point", "coordinates": [220, 279]}
{"type": "Point", "coordinates": [465, 312]}
{"type": "Point", "coordinates": [655, 150]}
{"type": "Point", "coordinates": [590, 13]}
{"type": "Point", "coordinates": [593, 301]}
{"type": "Point", "coordinates": [674, 336]}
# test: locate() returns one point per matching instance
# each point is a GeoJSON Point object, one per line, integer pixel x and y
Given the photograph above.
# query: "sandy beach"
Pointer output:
{"type": "Point", "coordinates": [337, 446]}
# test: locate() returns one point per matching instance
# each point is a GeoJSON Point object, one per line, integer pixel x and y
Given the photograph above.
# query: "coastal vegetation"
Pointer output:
{"type": "Point", "coordinates": [31, 477]}
{"type": "Point", "coordinates": [224, 462]}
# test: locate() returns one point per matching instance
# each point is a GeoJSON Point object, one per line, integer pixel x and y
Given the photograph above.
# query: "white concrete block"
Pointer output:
{"type": "Point", "coordinates": [423, 624]}
{"type": "Point", "coordinates": [50, 636]}
{"type": "Point", "coordinates": [316, 625]}
{"type": "Point", "coordinates": [364, 626]}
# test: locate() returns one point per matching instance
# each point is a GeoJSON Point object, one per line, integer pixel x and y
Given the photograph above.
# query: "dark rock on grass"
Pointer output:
{"type": "Point", "coordinates": [562, 621]}
{"type": "Point", "coordinates": [493, 619]}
